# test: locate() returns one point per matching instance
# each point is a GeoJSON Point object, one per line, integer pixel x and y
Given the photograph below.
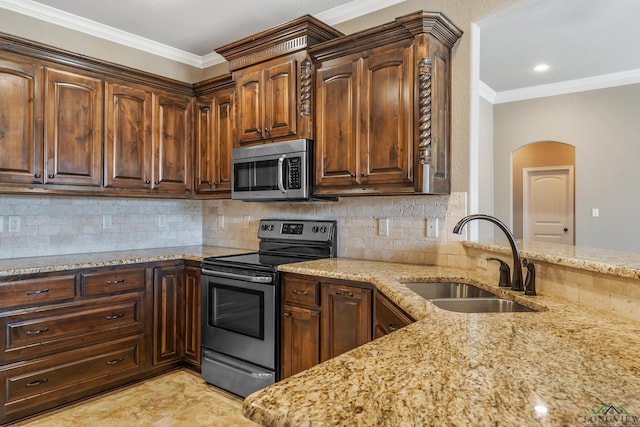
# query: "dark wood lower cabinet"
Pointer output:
{"type": "Point", "coordinates": [167, 314]}
{"type": "Point", "coordinates": [191, 318]}
{"type": "Point", "coordinates": [300, 339]}
{"type": "Point", "coordinates": [69, 335]}
{"type": "Point", "coordinates": [346, 318]}
{"type": "Point", "coordinates": [323, 318]}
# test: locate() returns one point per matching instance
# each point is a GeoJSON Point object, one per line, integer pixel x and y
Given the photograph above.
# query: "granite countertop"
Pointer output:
{"type": "Point", "coordinates": [558, 366]}
{"type": "Point", "coordinates": [45, 264]}
{"type": "Point", "coordinates": [617, 263]}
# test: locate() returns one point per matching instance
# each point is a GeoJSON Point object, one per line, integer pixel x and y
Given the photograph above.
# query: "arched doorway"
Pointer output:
{"type": "Point", "coordinates": [543, 192]}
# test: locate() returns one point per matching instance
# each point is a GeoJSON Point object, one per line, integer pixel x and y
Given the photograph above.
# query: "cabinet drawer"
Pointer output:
{"type": "Point", "coordinates": [388, 317]}
{"type": "Point", "coordinates": [113, 281]}
{"type": "Point", "coordinates": [61, 378]}
{"type": "Point", "coordinates": [301, 291]}
{"type": "Point", "coordinates": [26, 334]}
{"type": "Point", "coordinates": [37, 291]}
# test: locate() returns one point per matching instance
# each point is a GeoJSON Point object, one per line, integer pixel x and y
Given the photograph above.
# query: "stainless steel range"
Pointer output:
{"type": "Point", "coordinates": [241, 303]}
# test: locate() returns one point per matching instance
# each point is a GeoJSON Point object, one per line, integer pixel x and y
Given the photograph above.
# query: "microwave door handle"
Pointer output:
{"type": "Point", "coordinates": [281, 174]}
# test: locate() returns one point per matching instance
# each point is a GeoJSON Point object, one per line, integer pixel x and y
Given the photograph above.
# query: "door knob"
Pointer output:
{"type": "Point", "coordinates": [566, 229]}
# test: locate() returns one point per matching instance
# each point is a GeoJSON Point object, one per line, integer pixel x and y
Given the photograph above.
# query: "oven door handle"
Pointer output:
{"type": "Point", "coordinates": [244, 277]}
{"type": "Point", "coordinates": [281, 173]}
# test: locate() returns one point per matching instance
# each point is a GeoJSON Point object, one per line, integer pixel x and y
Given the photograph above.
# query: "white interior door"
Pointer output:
{"type": "Point", "coordinates": [548, 204]}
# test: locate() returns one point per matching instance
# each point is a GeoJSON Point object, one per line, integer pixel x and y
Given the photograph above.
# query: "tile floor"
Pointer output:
{"type": "Point", "coordinates": [178, 398]}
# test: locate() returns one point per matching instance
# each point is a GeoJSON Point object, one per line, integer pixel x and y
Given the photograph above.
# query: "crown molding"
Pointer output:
{"type": "Point", "coordinates": [93, 28]}
{"type": "Point", "coordinates": [570, 86]}
{"type": "Point", "coordinates": [45, 13]}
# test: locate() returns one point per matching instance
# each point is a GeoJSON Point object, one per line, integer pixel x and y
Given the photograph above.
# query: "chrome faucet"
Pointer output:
{"type": "Point", "coordinates": [516, 279]}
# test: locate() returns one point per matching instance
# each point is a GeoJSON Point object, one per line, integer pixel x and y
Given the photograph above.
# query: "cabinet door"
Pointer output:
{"type": "Point", "coordinates": [73, 128]}
{"type": "Point", "coordinates": [172, 143]}
{"type": "Point", "coordinates": [167, 317]}
{"type": "Point", "coordinates": [280, 100]}
{"type": "Point", "coordinates": [346, 318]}
{"type": "Point", "coordinates": [20, 117]}
{"type": "Point", "coordinates": [250, 106]}
{"type": "Point", "coordinates": [191, 318]}
{"type": "Point", "coordinates": [215, 126]}
{"type": "Point", "coordinates": [128, 144]}
{"type": "Point", "coordinates": [300, 339]}
{"type": "Point", "coordinates": [388, 317]}
{"type": "Point", "coordinates": [336, 124]}
{"type": "Point", "coordinates": [386, 138]}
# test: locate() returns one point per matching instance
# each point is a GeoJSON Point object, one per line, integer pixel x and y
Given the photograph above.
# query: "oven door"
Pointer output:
{"type": "Point", "coordinates": [239, 315]}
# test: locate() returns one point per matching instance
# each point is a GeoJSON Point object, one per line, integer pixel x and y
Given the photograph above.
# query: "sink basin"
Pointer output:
{"type": "Point", "coordinates": [433, 290]}
{"type": "Point", "coordinates": [480, 305]}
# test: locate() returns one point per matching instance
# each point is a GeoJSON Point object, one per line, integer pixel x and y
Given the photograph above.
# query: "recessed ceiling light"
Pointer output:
{"type": "Point", "coordinates": [541, 67]}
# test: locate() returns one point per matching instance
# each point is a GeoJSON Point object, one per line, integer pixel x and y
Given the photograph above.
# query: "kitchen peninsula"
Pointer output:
{"type": "Point", "coordinates": [557, 366]}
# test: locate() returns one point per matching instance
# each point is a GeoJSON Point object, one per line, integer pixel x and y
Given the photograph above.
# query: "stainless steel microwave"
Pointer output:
{"type": "Point", "coordinates": [273, 171]}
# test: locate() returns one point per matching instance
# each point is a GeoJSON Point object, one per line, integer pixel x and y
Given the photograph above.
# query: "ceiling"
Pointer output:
{"type": "Point", "coordinates": [584, 42]}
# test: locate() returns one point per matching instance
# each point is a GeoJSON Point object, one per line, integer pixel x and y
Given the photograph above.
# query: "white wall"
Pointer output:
{"type": "Point", "coordinates": [604, 126]}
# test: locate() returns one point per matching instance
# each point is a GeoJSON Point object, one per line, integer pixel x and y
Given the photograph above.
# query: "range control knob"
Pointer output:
{"type": "Point", "coordinates": [270, 227]}
{"type": "Point", "coordinates": [315, 228]}
{"type": "Point", "coordinates": [323, 229]}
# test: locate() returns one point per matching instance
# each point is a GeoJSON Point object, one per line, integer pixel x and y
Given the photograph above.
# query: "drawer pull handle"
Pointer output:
{"type": "Point", "coordinates": [39, 331]}
{"type": "Point", "coordinates": [115, 361]}
{"type": "Point", "coordinates": [115, 282]}
{"type": "Point", "coordinates": [115, 316]}
{"type": "Point", "coordinates": [297, 292]}
{"type": "Point", "coordinates": [36, 382]}
{"type": "Point", "coordinates": [393, 327]}
{"type": "Point", "coordinates": [344, 293]}
{"type": "Point", "coordinates": [38, 292]}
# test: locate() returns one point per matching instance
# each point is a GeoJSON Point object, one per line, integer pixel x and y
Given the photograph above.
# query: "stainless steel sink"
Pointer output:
{"type": "Point", "coordinates": [433, 290]}
{"type": "Point", "coordinates": [480, 305]}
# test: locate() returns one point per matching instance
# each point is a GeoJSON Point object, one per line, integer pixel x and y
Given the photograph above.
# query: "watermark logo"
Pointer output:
{"type": "Point", "coordinates": [611, 416]}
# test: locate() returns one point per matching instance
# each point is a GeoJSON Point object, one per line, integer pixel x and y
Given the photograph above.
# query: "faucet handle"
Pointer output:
{"type": "Point", "coordinates": [530, 280]}
{"type": "Point", "coordinates": [505, 273]}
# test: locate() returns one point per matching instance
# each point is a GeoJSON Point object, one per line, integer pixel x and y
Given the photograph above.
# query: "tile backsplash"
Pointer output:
{"type": "Point", "coordinates": [66, 225]}
{"type": "Point", "coordinates": [360, 235]}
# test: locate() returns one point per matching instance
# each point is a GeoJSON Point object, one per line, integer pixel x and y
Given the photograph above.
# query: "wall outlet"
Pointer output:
{"type": "Point", "coordinates": [220, 221]}
{"type": "Point", "coordinates": [162, 220]}
{"type": "Point", "coordinates": [14, 224]}
{"type": "Point", "coordinates": [595, 212]}
{"type": "Point", "coordinates": [107, 222]}
{"type": "Point", "coordinates": [432, 227]}
{"type": "Point", "coordinates": [1, 224]}
{"type": "Point", "coordinates": [383, 226]}
{"type": "Point", "coordinates": [246, 221]}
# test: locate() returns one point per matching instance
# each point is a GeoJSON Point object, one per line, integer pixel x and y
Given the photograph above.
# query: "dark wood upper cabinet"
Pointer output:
{"type": "Point", "coordinates": [383, 108]}
{"type": "Point", "coordinates": [172, 143]}
{"type": "Point", "coordinates": [214, 136]}
{"type": "Point", "coordinates": [73, 128]}
{"type": "Point", "coordinates": [21, 149]}
{"type": "Point", "coordinates": [128, 137]}
{"type": "Point", "coordinates": [273, 77]}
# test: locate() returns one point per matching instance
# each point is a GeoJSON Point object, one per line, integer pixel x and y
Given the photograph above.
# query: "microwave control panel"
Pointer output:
{"type": "Point", "coordinates": [295, 166]}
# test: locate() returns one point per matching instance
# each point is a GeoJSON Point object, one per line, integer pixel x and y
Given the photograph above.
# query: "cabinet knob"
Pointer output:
{"type": "Point", "coordinates": [362, 174]}
{"type": "Point", "coordinates": [147, 182]}
{"type": "Point", "coordinates": [259, 132]}
{"type": "Point", "coordinates": [267, 131]}
{"type": "Point", "coordinates": [157, 182]}
{"type": "Point", "coordinates": [286, 314]}
{"type": "Point", "coordinates": [38, 175]}
{"type": "Point", "coordinates": [51, 176]}
{"type": "Point", "coordinates": [352, 175]}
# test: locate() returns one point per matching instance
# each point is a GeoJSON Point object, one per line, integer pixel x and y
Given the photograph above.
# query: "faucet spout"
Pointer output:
{"type": "Point", "coordinates": [516, 279]}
